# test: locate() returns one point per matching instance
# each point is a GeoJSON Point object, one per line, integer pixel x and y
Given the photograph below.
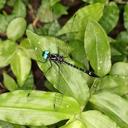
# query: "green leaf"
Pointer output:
{"type": "Point", "coordinates": [7, 50]}
{"type": "Point", "coordinates": [19, 9]}
{"type": "Point", "coordinates": [122, 37]}
{"type": "Point", "coordinates": [4, 124]}
{"type": "Point", "coordinates": [74, 124]}
{"type": "Point", "coordinates": [9, 82]}
{"type": "Point", "coordinates": [115, 84]}
{"type": "Point", "coordinates": [3, 23]}
{"type": "Point", "coordinates": [113, 106]}
{"type": "Point", "coordinates": [110, 17]}
{"type": "Point", "coordinates": [53, 28]}
{"type": "Point", "coordinates": [60, 74]}
{"type": "Point", "coordinates": [50, 10]}
{"type": "Point", "coordinates": [95, 119]}
{"type": "Point", "coordinates": [48, 29]}
{"type": "Point", "coordinates": [11, 2]}
{"type": "Point", "coordinates": [77, 24]}
{"type": "Point", "coordinates": [97, 48]}
{"type": "Point", "coordinates": [29, 83]}
{"type": "Point", "coordinates": [96, 1]}
{"type": "Point", "coordinates": [16, 28]}
{"type": "Point", "coordinates": [59, 10]}
{"type": "Point", "coordinates": [2, 3]}
{"type": "Point", "coordinates": [78, 52]}
{"type": "Point", "coordinates": [119, 68]}
{"type": "Point", "coordinates": [121, 43]}
{"type": "Point", "coordinates": [36, 108]}
{"type": "Point", "coordinates": [21, 66]}
{"type": "Point", "coordinates": [126, 16]}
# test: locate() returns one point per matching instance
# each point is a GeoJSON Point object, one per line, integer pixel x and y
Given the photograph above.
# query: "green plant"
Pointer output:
{"type": "Point", "coordinates": [73, 99]}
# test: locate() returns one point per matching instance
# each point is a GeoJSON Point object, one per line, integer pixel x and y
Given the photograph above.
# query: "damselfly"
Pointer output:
{"type": "Point", "coordinates": [58, 59]}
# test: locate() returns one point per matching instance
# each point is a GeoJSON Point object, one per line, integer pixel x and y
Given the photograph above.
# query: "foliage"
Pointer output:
{"type": "Point", "coordinates": [90, 39]}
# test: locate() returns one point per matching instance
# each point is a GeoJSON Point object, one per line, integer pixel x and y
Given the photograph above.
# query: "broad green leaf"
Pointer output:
{"type": "Point", "coordinates": [2, 3]}
{"type": "Point", "coordinates": [9, 82]}
{"type": "Point", "coordinates": [77, 24]}
{"type": "Point", "coordinates": [110, 17]}
{"type": "Point", "coordinates": [19, 9]}
{"type": "Point", "coordinates": [115, 84]}
{"type": "Point", "coordinates": [7, 50]}
{"type": "Point", "coordinates": [66, 79]}
{"type": "Point", "coordinates": [16, 28]}
{"type": "Point", "coordinates": [97, 48]}
{"type": "Point", "coordinates": [74, 124]}
{"type": "Point", "coordinates": [95, 119]}
{"type": "Point", "coordinates": [4, 124]}
{"type": "Point", "coordinates": [36, 108]}
{"type": "Point", "coordinates": [21, 66]}
{"type": "Point", "coordinates": [119, 68]}
{"type": "Point", "coordinates": [126, 16]}
{"type": "Point", "coordinates": [113, 106]}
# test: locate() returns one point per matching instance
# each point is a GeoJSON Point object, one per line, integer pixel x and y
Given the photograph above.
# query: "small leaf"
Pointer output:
{"type": "Point", "coordinates": [16, 28]}
{"type": "Point", "coordinates": [36, 108]}
{"type": "Point", "coordinates": [113, 106]}
{"type": "Point", "coordinates": [119, 68]}
{"type": "Point", "coordinates": [115, 84]}
{"type": "Point", "coordinates": [21, 66]}
{"type": "Point", "coordinates": [19, 9]}
{"type": "Point", "coordinates": [95, 119]}
{"type": "Point", "coordinates": [126, 16]}
{"type": "Point", "coordinates": [77, 24]}
{"type": "Point", "coordinates": [110, 17]}
{"type": "Point", "coordinates": [97, 48]}
{"type": "Point", "coordinates": [9, 82]}
{"type": "Point", "coordinates": [59, 10]}
{"type": "Point", "coordinates": [7, 50]}
{"type": "Point", "coordinates": [4, 21]}
{"type": "Point", "coordinates": [2, 3]}
{"type": "Point", "coordinates": [74, 124]}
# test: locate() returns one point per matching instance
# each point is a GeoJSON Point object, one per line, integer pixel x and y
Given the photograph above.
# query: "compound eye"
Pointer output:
{"type": "Point", "coordinates": [45, 54]}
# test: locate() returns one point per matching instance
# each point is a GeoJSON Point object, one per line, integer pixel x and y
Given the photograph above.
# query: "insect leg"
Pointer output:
{"type": "Point", "coordinates": [49, 67]}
